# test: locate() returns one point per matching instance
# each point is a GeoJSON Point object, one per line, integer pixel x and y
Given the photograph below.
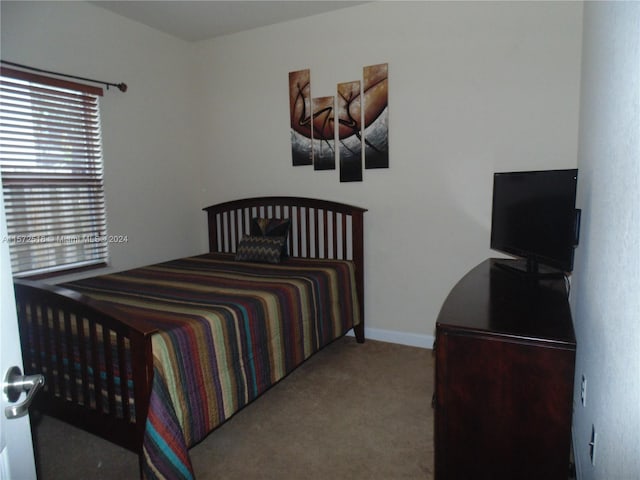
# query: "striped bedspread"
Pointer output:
{"type": "Point", "coordinates": [227, 331]}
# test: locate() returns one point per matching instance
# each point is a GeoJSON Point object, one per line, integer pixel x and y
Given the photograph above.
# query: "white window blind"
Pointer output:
{"type": "Point", "coordinates": [52, 173]}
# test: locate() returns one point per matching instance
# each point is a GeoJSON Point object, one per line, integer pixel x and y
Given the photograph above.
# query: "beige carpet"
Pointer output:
{"type": "Point", "coordinates": [351, 411]}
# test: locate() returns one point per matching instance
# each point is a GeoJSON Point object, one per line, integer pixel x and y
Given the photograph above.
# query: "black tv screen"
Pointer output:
{"type": "Point", "coordinates": [534, 217]}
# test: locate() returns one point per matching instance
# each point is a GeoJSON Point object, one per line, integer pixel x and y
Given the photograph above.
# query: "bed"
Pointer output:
{"type": "Point", "coordinates": [156, 357]}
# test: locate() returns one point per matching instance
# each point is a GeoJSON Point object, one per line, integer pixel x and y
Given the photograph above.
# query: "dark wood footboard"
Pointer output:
{"type": "Point", "coordinates": [319, 229]}
{"type": "Point", "coordinates": [98, 368]}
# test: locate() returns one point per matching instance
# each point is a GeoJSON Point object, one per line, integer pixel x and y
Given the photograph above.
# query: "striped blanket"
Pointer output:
{"type": "Point", "coordinates": [227, 332]}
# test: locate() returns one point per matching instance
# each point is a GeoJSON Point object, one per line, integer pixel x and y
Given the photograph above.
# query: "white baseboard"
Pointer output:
{"type": "Point", "coordinates": [402, 338]}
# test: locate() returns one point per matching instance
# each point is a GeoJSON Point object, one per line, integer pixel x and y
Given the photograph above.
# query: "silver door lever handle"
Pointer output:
{"type": "Point", "coordinates": [14, 384]}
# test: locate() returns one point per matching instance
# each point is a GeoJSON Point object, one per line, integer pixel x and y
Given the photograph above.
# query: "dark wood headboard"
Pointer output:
{"type": "Point", "coordinates": [319, 229]}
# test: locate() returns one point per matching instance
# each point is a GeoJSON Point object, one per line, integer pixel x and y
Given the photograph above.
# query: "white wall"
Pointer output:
{"type": "Point", "coordinates": [151, 175]}
{"type": "Point", "coordinates": [474, 87]}
{"type": "Point", "coordinates": [606, 292]}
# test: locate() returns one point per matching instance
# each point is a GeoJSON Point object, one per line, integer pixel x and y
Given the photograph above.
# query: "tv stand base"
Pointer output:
{"type": "Point", "coordinates": [528, 269]}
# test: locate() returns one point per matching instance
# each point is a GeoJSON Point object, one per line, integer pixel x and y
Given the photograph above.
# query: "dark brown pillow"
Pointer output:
{"type": "Point", "coordinates": [260, 249]}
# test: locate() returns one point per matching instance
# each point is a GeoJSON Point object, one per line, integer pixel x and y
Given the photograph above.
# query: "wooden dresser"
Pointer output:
{"type": "Point", "coordinates": [505, 354]}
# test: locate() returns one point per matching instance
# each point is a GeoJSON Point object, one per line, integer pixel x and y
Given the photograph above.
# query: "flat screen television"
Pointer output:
{"type": "Point", "coordinates": [534, 218]}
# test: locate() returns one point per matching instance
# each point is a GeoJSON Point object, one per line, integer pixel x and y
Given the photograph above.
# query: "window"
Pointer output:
{"type": "Point", "coordinates": [52, 174]}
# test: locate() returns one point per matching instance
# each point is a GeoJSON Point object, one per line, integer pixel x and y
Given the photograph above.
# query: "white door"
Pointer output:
{"type": "Point", "coordinates": [16, 447]}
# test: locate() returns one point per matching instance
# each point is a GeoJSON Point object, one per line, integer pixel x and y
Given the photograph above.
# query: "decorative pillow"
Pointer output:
{"type": "Point", "coordinates": [271, 227]}
{"type": "Point", "coordinates": [260, 249]}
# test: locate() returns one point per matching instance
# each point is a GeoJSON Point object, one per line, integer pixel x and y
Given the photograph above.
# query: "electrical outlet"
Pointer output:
{"type": "Point", "coordinates": [583, 391]}
{"type": "Point", "coordinates": [592, 445]}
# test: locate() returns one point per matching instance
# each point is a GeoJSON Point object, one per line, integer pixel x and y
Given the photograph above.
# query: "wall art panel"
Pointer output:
{"type": "Point", "coordinates": [349, 113]}
{"type": "Point", "coordinates": [376, 115]}
{"type": "Point", "coordinates": [300, 113]}
{"type": "Point", "coordinates": [324, 154]}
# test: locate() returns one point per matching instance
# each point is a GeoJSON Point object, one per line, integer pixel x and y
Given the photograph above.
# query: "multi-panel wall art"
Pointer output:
{"type": "Point", "coordinates": [361, 129]}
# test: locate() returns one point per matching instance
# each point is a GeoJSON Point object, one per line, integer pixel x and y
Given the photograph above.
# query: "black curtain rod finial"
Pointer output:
{"type": "Point", "coordinates": [120, 86]}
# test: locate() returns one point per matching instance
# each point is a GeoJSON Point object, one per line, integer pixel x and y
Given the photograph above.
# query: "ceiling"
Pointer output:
{"type": "Point", "coordinates": [199, 20]}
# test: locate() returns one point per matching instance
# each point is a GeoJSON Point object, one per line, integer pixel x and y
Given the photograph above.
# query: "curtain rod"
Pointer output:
{"type": "Point", "coordinates": [121, 86]}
